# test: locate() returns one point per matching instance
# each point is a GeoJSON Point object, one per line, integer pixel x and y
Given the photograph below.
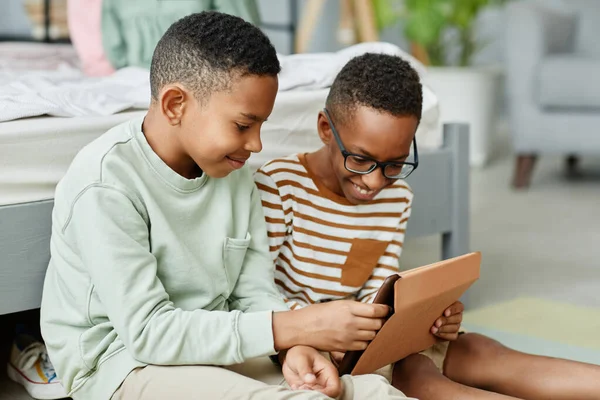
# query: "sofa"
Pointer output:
{"type": "Point", "coordinates": [553, 92]}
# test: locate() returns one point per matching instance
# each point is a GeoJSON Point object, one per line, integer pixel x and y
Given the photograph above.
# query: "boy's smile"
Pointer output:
{"type": "Point", "coordinates": [237, 162]}
{"type": "Point", "coordinates": [369, 133]}
{"type": "Point", "coordinates": [363, 193]}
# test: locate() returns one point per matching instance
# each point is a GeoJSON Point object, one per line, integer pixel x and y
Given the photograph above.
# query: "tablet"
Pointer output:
{"type": "Point", "coordinates": [418, 297]}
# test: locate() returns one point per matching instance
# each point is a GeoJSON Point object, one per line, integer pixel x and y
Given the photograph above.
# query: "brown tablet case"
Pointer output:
{"type": "Point", "coordinates": [420, 296]}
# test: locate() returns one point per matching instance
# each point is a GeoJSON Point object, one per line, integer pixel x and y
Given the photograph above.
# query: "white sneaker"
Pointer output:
{"type": "Point", "coordinates": [30, 366]}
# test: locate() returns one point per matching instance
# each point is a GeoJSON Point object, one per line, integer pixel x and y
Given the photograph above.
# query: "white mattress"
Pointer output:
{"type": "Point", "coordinates": [36, 152]}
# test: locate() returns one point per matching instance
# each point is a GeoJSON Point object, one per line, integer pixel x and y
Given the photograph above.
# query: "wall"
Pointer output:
{"type": "Point", "coordinates": [13, 20]}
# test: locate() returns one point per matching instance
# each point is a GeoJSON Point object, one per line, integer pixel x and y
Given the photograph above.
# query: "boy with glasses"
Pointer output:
{"type": "Point", "coordinates": [336, 220]}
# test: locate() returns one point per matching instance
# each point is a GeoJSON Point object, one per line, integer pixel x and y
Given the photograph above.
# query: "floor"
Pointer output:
{"type": "Point", "coordinates": [531, 327]}
{"type": "Point", "coordinates": [541, 243]}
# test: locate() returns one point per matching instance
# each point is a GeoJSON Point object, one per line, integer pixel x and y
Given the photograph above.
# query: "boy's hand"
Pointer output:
{"type": "Point", "coordinates": [304, 368]}
{"type": "Point", "coordinates": [447, 326]}
{"type": "Point", "coordinates": [341, 325]}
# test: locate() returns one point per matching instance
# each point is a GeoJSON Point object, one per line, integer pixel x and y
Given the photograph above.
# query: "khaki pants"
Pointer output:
{"type": "Point", "coordinates": [256, 379]}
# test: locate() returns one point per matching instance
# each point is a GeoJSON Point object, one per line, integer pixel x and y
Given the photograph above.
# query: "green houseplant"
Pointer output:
{"type": "Point", "coordinates": [427, 24]}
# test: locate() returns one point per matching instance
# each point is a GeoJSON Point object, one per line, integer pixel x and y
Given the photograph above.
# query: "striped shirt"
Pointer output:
{"type": "Point", "coordinates": [324, 247]}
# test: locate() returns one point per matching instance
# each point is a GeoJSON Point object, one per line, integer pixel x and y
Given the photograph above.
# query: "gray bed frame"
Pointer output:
{"type": "Point", "coordinates": [440, 185]}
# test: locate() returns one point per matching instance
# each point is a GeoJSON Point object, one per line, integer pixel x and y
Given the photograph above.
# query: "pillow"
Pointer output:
{"type": "Point", "coordinates": [84, 18]}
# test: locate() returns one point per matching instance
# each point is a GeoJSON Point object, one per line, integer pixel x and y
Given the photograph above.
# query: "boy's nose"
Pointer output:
{"type": "Point", "coordinates": [254, 143]}
{"type": "Point", "coordinates": [375, 180]}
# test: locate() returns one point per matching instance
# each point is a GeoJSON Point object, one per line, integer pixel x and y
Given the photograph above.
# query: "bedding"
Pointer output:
{"type": "Point", "coordinates": [36, 148]}
{"type": "Point", "coordinates": [27, 90]}
{"type": "Point", "coordinates": [36, 152]}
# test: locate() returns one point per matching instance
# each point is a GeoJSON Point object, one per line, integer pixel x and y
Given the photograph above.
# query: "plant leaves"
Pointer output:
{"type": "Point", "coordinates": [387, 12]}
{"type": "Point", "coordinates": [427, 20]}
{"type": "Point", "coordinates": [424, 26]}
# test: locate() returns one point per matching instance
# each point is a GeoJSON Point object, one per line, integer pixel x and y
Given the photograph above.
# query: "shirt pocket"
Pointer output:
{"type": "Point", "coordinates": [234, 252]}
{"type": "Point", "coordinates": [361, 261]}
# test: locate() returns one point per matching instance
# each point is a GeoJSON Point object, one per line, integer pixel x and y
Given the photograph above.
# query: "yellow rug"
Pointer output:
{"type": "Point", "coordinates": [542, 327]}
{"type": "Point", "coordinates": [545, 319]}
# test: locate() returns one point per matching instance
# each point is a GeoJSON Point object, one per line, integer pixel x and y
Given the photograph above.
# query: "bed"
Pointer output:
{"type": "Point", "coordinates": [35, 152]}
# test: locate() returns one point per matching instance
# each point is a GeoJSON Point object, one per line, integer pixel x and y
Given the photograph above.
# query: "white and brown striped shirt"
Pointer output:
{"type": "Point", "coordinates": [325, 248]}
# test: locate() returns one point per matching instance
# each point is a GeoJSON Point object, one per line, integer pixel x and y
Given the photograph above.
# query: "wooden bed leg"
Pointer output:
{"type": "Point", "coordinates": [365, 21]}
{"type": "Point", "coordinates": [308, 22]}
{"type": "Point", "coordinates": [523, 170]}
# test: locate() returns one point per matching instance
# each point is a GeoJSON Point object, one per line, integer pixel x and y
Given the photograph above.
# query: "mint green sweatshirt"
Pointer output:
{"type": "Point", "coordinates": [148, 267]}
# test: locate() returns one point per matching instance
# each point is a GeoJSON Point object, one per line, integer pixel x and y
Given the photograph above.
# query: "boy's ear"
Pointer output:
{"type": "Point", "coordinates": [173, 100]}
{"type": "Point", "coordinates": [323, 128]}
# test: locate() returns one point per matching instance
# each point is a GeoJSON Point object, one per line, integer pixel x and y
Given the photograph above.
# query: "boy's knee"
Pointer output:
{"type": "Point", "coordinates": [472, 358]}
{"type": "Point", "coordinates": [415, 364]}
{"type": "Point", "coordinates": [413, 370]}
{"type": "Point", "coordinates": [415, 373]}
{"type": "Point", "coordinates": [477, 347]}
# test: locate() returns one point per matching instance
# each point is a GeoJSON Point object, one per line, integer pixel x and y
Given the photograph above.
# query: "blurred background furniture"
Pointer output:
{"type": "Point", "coordinates": [552, 59]}
{"type": "Point", "coordinates": [356, 24]}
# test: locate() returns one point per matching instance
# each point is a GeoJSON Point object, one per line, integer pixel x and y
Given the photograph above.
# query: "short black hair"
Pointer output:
{"type": "Point", "coordinates": [205, 51]}
{"type": "Point", "coordinates": [383, 82]}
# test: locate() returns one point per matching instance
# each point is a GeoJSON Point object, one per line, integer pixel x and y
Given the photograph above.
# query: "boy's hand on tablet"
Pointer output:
{"type": "Point", "coordinates": [304, 368]}
{"type": "Point", "coordinates": [341, 325]}
{"type": "Point", "coordinates": [447, 326]}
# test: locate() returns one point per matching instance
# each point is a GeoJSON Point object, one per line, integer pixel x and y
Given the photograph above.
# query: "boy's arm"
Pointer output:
{"type": "Point", "coordinates": [380, 272]}
{"type": "Point", "coordinates": [255, 289]}
{"type": "Point", "coordinates": [112, 241]}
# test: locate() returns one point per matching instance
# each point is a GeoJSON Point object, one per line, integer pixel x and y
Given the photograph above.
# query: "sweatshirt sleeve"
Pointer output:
{"type": "Point", "coordinates": [113, 244]}
{"type": "Point", "coordinates": [255, 289]}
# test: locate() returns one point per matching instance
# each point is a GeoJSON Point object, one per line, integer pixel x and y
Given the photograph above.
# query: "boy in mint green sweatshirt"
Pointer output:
{"type": "Point", "coordinates": [160, 274]}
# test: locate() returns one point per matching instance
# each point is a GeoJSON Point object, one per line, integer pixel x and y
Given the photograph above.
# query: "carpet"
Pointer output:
{"type": "Point", "coordinates": [541, 326]}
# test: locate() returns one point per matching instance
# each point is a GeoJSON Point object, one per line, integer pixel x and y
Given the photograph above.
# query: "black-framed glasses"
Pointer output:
{"type": "Point", "coordinates": [363, 165]}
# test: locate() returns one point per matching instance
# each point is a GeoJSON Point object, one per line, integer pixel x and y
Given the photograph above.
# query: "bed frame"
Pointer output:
{"type": "Point", "coordinates": [440, 185]}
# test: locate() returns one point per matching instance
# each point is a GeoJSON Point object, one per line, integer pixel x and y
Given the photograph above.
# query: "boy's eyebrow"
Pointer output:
{"type": "Point", "coordinates": [254, 117]}
{"type": "Point", "coordinates": [366, 153]}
